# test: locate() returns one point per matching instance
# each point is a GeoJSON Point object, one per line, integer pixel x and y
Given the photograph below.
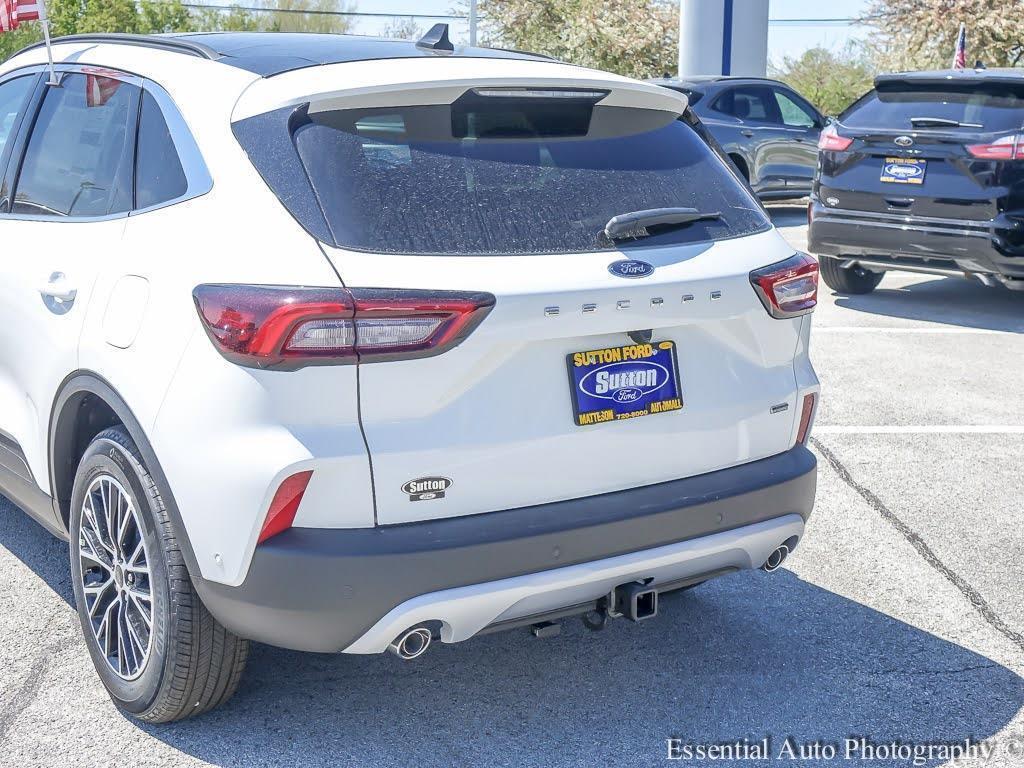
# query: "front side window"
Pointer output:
{"type": "Point", "coordinates": [501, 176]}
{"type": "Point", "coordinates": [80, 155]}
{"type": "Point", "coordinates": [794, 114]}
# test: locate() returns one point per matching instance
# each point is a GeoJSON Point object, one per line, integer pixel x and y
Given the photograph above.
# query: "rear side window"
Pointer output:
{"type": "Point", "coordinates": [748, 104]}
{"type": "Point", "coordinates": [79, 158]}
{"type": "Point", "coordinates": [159, 176]}
{"type": "Point", "coordinates": [502, 176]}
{"type": "Point", "coordinates": [993, 106]}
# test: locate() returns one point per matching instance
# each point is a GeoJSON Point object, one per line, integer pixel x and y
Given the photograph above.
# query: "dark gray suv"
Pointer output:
{"type": "Point", "coordinates": [769, 130]}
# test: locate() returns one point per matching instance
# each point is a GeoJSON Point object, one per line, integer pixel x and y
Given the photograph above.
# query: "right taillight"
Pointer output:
{"type": "Point", "coordinates": [1005, 148]}
{"type": "Point", "coordinates": [830, 140]}
{"type": "Point", "coordinates": [284, 327]}
{"type": "Point", "coordinates": [788, 288]}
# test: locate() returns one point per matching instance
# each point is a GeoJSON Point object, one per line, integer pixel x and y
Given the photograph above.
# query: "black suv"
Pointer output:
{"type": "Point", "coordinates": [924, 174]}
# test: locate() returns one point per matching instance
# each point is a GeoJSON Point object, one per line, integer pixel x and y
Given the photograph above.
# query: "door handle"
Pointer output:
{"type": "Point", "coordinates": [747, 132]}
{"type": "Point", "coordinates": [59, 289]}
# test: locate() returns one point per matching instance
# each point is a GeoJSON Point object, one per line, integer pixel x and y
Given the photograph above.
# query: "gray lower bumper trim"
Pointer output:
{"type": "Point", "coordinates": [320, 589]}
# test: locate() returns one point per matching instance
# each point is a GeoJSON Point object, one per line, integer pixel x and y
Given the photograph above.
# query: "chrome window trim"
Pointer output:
{"type": "Point", "coordinates": [197, 176]}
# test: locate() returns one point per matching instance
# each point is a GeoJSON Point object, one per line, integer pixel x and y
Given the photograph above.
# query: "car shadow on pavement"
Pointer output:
{"type": "Point", "coordinates": [747, 656]}
{"type": "Point", "coordinates": [950, 300]}
{"type": "Point", "coordinates": [33, 545]}
{"type": "Point", "coordinates": [744, 657]}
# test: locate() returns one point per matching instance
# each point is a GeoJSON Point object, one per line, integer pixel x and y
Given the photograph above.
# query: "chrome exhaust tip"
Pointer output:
{"type": "Point", "coordinates": [776, 559]}
{"type": "Point", "coordinates": [411, 644]}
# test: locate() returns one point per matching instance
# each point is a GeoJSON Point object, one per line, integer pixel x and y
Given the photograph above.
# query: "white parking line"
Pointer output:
{"type": "Point", "coordinates": [951, 331]}
{"type": "Point", "coordinates": [922, 429]}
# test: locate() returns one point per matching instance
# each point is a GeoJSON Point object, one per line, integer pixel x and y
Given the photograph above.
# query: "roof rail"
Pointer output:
{"type": "Point", "coordinates": [175, 44]}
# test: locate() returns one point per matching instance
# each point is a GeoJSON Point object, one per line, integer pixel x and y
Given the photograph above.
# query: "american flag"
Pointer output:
{"type": "Point", "coordinates": [960, 57]}
{"type": "Point", "coordinates": [99, 86]}
{"type": "Point", "coordinates": [13, 12]}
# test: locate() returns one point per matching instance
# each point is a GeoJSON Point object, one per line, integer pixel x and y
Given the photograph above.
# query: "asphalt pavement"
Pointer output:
{"type": "Point", "coordinates": [899, 618]}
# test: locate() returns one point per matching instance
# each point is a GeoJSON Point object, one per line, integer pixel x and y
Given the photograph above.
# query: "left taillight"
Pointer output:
{"type": "Point", "coordinates": [788, 288]}
{"type": "Point", "coordinates": [829, 140]}
{"type": "Point", "coordinates": [284, 327]}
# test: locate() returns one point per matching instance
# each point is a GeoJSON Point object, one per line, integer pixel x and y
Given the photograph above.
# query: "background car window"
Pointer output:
{"type": "Point", "coordinates": [994, 106]}
{"type": "Point", "coordinates": [794, 114]}
{"type": "Point", "coordinates": [13, 95]}
{"type": "Point", "coordinates": [79, 157]}
{"type": "Point", "coordinates": [748, 104]}
{"type": "Point", "coordinates": [159, 176]}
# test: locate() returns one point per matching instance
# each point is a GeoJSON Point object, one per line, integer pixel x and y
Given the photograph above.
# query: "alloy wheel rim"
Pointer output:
{"type": "Point", "coordinates": [116, 578]}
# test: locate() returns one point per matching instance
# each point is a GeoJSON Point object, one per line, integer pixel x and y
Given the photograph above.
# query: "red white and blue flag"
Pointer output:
{"type": "Point", "coordinates": [960, 57]}
{"type": "Point", "coordinates": [13, 12]}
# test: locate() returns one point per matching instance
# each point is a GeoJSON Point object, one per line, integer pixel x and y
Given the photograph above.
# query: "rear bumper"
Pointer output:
{"type": "Point", "coordinates": [330, 590]}
{"type": "Point", "coordinates": [990, 247]}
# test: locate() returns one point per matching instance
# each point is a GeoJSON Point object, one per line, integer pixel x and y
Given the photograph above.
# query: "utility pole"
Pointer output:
{"type": "Point", "coordinates": [472, 22]}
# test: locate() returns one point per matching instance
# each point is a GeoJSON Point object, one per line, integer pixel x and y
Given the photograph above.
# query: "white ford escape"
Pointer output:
{"type": "Point", "coordinates": [344, 344]}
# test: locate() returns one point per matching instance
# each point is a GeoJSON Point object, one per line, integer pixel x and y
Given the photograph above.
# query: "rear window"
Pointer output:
{"type": "Point", "coordinates": [497, 175]}
{"type": "Point", "coordinates": [993, 106]}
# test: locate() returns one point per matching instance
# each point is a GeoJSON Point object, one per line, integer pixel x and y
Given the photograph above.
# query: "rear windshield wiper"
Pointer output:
{"type": "Point", "coordinates": [942, 122]}
{"type": "Point", "coordinates": [638, 223]}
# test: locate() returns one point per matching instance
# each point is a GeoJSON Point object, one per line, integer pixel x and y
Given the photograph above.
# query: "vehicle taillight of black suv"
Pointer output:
{"type": "Point", "coordinates": [924, 173]}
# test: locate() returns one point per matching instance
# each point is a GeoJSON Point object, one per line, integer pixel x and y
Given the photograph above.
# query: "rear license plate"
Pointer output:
{"type": "Point", "coordinates": [624, 382]}
{"type": "Point", "coordinates": [903, 170]}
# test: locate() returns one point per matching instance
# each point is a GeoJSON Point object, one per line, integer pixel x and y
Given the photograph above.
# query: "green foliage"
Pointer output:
{"type": "Point", "coordinates": [293, 21]}
{"type": "Point", "coordinates": [69, 17]}
{"type": "Point", "coordinates": [830, 80]}
{"type": "Point", "coordinates": [921, 34]}
{"type": "Point", "coordinates": [404, 29]}
{"type": "Point", "coordinates": [229, 19]}
{"type": "Point", "coordinates": [637, 38]}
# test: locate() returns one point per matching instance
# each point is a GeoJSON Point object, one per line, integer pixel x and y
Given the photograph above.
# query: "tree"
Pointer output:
{"type": "Point", "coordinates": [403, 29]}
{"type": "Point", "coordinates": [306, 15]}
{"type": "Point", "coordinates": [227, 19]}
{"type": "Point", "coordinates": [69, 17]}
{"type": "Point", "coordinates": [921, 34]}
{"type": "Point", "coordinates": [637, 38]}
{"type": "Point", "coordinates": [830, 80]}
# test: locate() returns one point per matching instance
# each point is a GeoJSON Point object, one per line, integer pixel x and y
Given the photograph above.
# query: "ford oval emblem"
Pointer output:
{"type": "Point", "coordinates": [625, 382]}
{"type": "Point", "coordinates": [630, 268]}
{"type": "Point", "coordinates": [903, 141]}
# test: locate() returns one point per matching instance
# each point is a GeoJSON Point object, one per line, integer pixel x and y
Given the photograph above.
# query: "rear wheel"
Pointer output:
{"type": "Point", "coordinates": [856, 280]}
{"type": "Point", "coordinates": [157, 650]}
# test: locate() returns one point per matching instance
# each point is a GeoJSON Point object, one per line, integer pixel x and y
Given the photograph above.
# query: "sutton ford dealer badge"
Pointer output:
{"type": "Point", "coordinates": [426, 488]}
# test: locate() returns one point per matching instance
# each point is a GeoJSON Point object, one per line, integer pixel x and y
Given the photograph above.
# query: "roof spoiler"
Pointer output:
{"type": "Point", "coordinates": [950, 77]}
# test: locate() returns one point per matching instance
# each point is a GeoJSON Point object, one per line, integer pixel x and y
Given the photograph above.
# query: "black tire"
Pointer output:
{"type": "Point", "coordinates": [191, 663]}
{"type": "Point", "coordinates": [854, 280]}
{"type": "Point", "coordinates": [741, 167]}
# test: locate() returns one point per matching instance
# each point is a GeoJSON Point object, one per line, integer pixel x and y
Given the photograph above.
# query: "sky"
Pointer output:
{"type": "Point", "coordinates": [785, 38]}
